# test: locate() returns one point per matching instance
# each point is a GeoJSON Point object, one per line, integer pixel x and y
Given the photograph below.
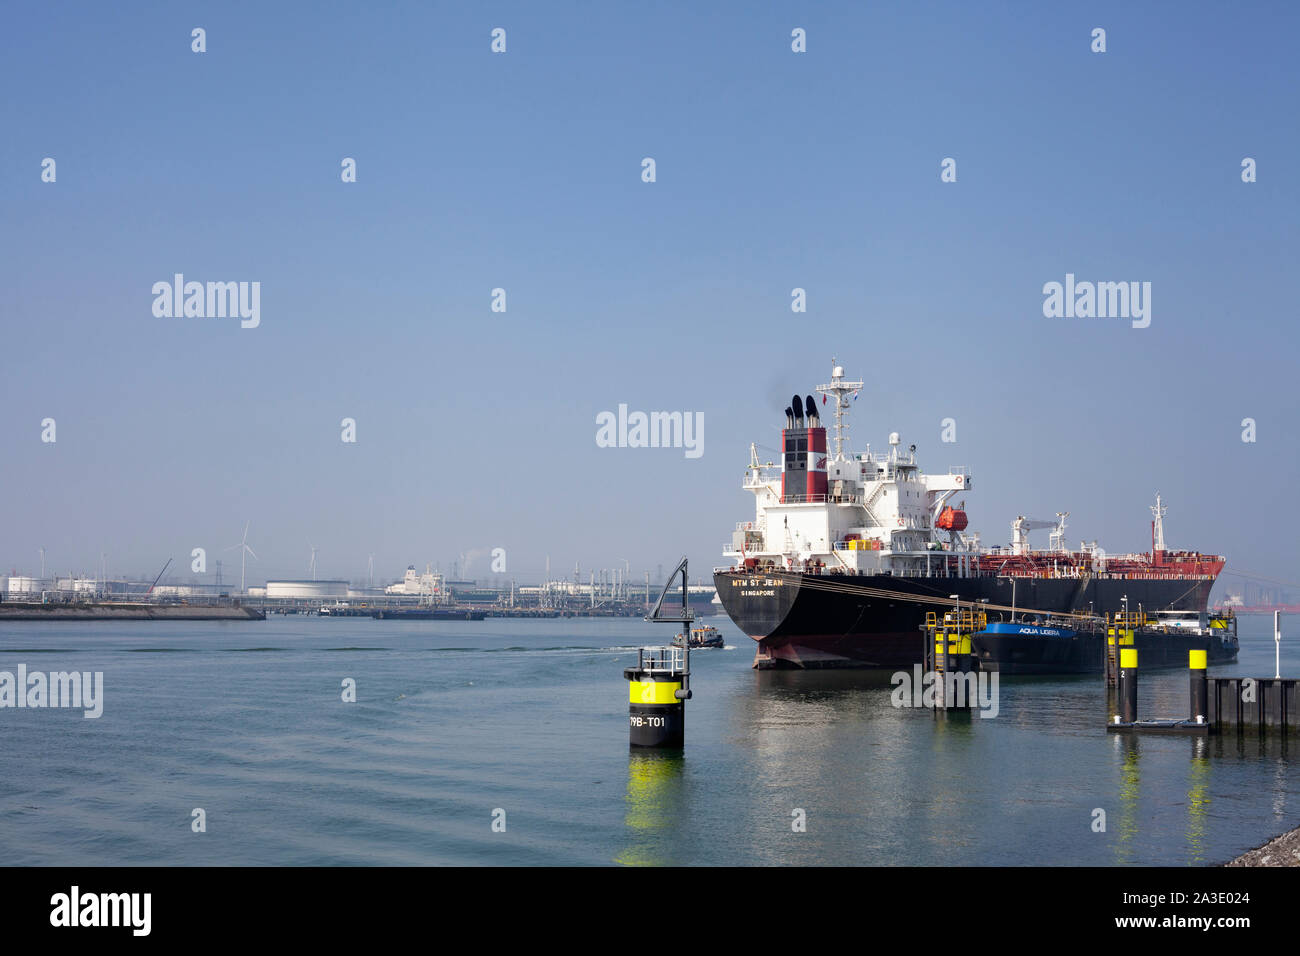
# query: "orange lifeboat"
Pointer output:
{"type": "Point", "coordinates": [951, 519]}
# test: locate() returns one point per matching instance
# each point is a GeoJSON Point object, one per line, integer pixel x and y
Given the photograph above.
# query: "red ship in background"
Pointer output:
{"type": "Point", "coordinates": [1019, 561]}
{"type": "Point", "coordinates": [1155, 564]}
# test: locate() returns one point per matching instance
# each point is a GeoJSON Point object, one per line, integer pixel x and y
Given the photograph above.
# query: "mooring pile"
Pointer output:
{"type": "Point", "coordinates": [949, 658]}
{"type": "Point", "coordinates": [1214, 703]}
{"type": "Point", "coordinates": [660, 684]}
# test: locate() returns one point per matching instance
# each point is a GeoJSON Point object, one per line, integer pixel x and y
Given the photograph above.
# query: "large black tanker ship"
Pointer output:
{"type": "Point", "coordinates": [846, 554]}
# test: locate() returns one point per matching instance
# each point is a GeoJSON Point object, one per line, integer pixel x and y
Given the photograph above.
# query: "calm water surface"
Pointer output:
{"type": "Point", "coordinates": [454, 720]}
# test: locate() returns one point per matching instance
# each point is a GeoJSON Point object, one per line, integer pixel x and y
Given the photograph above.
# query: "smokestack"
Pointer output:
{"type": "Point", "coordinates": [789, 417]}
{"type": "Point", "coordinates": [797, 405]}
{"type": "Point", "coordinates": [813, 414]}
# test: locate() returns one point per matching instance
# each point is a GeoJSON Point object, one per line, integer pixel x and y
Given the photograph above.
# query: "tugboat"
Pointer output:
{"type": "Point", "coordinates": [704, 636]}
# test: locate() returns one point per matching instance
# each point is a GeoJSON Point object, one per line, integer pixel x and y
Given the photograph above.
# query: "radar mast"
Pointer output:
{"type": "Point", "coordinates": [841, 390]}
{"type": "Point", "coordinates": [1158, 511]}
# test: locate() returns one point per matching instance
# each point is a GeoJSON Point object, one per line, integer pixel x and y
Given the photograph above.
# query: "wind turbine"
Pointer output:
{"type": "Point", "coordinates": [243, 550]}
{"type": "Point", "coordinates": [312, 568]}
{"type": "Point", "coordinates": [370, 572]}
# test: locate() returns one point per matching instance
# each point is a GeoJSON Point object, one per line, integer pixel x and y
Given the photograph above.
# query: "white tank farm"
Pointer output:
{"type": "Point", "coordinates": [306, 589]}
{"type": "Point", "coordinates": [77, 585]}
{"type": "Point", "coordinates": [181, 590]}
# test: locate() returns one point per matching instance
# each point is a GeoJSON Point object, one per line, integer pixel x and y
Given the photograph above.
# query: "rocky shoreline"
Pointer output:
{"type": "Point", "coordinates": [1280, 851]}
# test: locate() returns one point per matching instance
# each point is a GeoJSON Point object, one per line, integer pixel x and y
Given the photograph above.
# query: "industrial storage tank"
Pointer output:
{"type": "Point", "coordinates": [75, 585]}
{"type": "Point", "coordinates": [305, 589]}
{"type": "Point", "coordinates": [22, 586]}
{"type": "Point", "coordinates": [181, 590]}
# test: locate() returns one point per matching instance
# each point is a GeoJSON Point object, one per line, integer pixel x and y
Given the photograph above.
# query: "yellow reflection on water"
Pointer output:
{"type": "Point", "coordinates": [654, 806]}
{"type": "Point", "coordinates": [1130, 780]}
{"type": "Point", "coordinates": [1198, 798]}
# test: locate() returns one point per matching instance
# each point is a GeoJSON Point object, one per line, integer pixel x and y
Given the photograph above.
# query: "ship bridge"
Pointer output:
{"type": "Point", "coordinates": [865, 513]}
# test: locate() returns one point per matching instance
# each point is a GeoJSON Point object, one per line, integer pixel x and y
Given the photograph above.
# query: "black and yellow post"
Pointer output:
{"type": "Point", "coordinates": [1128, 685]}
{"type": "Point", "coordinates": [660, 684]}
{"type": "Point", "coordinates": [1200, 696]}
{"type": "Point", "coordinates": [1126, 720]}
{"type": "Point", "coordinates": [656, 698]}
{"type": "Point", "coordinates": [1119, 634]}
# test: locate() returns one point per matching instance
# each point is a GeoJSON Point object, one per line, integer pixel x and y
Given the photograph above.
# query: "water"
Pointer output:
{"type": "Point", "coordinates": [456, 720]}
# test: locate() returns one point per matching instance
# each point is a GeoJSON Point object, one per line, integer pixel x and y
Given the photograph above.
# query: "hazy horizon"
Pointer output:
{"type": "Point", "coordinates": [775, 171]}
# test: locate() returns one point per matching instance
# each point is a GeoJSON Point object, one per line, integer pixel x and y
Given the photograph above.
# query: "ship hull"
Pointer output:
{"type": "Point", "coordinates": [811, 621]}
{"type": "Point", "coordinates": [1083, 652]}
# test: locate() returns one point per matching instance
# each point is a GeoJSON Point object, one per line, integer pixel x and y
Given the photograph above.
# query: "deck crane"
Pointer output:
{"type": "Point", "coordinates": [1021, 527]}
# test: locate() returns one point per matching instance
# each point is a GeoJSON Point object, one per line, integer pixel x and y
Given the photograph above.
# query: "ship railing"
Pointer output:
{"type": "Point", "coordinates": [1134, 619]}
{"type": "Point", "coordinates": [845, 546]}
{"type": "Point", "coordinates": [661, 660]}
{"type": "Point", "coordinates": [956, 623]}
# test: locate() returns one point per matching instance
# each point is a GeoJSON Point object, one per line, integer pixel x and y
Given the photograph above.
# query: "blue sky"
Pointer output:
{"type": "Point", "coordinates": [522, 170]}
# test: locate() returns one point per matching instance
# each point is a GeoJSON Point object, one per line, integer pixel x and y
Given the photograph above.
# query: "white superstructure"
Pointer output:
{"type": "Point", "coordinates": [428, 585]}
{"type": "Point", "coordinates": [873, 512]}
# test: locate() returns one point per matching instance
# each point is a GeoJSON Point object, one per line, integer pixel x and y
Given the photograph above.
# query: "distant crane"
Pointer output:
{"type": "Point", "coordinates": [159, 578]}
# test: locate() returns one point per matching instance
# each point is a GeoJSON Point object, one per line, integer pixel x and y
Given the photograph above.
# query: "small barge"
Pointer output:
{"type": "Point", "coordinates": [1071, 647]}
{"type": "Point", "coordinates": [427, 614]}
